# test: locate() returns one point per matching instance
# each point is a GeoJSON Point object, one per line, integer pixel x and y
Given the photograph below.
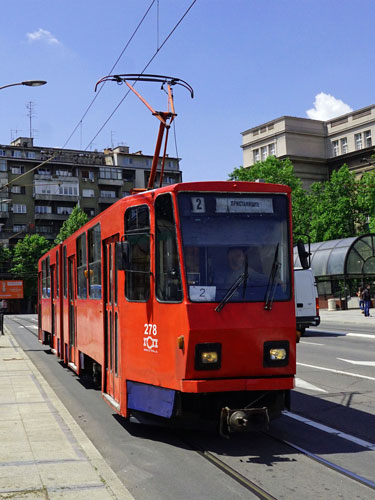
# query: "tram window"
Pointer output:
{"type": "Point", "coordinates": [81, 267]}
{"type": "Point", "coordinates": [57, 275]}
{"type": "Point", "coordinates": [168, 275]}
{"type": "Point", "coordinates": [44, 274]}
{"type": "Point", "coordinates": [137, 233]}
{"type": "Point", "coordinates": [95, 269]}
{"type": "Point", "coordinates": [65, 272]}
{"type": "Point", "coordinates": [48, 278]}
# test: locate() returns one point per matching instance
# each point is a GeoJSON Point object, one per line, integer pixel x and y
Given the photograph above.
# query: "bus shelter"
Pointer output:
{"type": "Point", "coordinates": [341, 267]}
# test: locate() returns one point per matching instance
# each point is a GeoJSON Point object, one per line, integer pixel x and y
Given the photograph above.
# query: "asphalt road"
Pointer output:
{"type": "Point", "coordinates": [335, 392]}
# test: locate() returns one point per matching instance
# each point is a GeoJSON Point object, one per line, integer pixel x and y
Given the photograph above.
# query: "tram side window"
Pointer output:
{"type": "Point", "coordinates": [137, 233]}
{"type": "Point", "coordinates": [95, 275]}
{"type": "Point", "coordinates": [46, 278]}
{"type": "Point", "coordinates": [57, 275]}
{"type": "Point", "coordinates": [168, 275]}
{"type": "Point", "coordinates": [65, 272]}
{"type": "Point", "coordinates": [81, 267]}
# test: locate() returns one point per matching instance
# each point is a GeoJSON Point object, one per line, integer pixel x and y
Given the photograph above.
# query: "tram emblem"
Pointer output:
{"type": "Point", "coordinates": [150, 342]}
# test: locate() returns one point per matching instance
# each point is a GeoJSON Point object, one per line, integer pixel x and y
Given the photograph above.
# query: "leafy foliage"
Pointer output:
{"type": "Point", "coordinates": [76, 220]}
{"type": "Point", "coordinates": [26, 254]}
{"type": "Point", "coordinates": [341, 207]}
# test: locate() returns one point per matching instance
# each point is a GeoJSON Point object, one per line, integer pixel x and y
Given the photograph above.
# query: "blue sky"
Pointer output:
{"type": "Point", "coordinates": [249, 61]}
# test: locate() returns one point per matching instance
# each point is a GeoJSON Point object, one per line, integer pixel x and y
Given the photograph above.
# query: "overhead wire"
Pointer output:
{"type": "Point", "coordinates": [4, 186]}
{"type": "Point", "coordinates": [141, 73]}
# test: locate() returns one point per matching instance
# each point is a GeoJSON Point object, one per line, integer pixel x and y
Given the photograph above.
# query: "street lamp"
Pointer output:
{"type": "Point", "coordinates": [28, 83]}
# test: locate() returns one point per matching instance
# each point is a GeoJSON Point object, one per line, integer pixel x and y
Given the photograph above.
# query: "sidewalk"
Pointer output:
{"type": "Point", "coordinates": [44, 454]}
{"type": "Point", "coordinates": [350, 317]}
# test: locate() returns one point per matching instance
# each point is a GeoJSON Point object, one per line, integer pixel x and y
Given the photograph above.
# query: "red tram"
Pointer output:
{"type": "Point", "coordinates": [179, 300]}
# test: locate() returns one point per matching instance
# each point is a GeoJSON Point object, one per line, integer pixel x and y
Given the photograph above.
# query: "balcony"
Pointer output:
{"type": "Point", "coordinates": [110, 182]}
{"type": "Point", "coordinates": [108, 201]}
{"type": "Point", "coordinates": [51, 216]}
{"type": "Point", "coordinates": [56, 197]}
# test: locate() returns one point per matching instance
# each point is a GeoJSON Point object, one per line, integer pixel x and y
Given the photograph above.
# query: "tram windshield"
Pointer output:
{"type": "Point", "coordinates": [235, 238]}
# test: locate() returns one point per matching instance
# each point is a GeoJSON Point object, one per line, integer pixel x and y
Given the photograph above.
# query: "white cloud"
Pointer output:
{"type": "Point", "coordinates": [327, 107]}
{"type": "Point", "coordinates": [42, 36]}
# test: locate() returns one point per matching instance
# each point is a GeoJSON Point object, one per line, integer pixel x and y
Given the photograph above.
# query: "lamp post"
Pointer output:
{"type": "Point", "coordinates": [27, 83]}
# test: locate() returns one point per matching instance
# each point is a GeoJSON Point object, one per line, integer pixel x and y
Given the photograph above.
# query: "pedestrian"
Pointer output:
{"type": "Point", "coordinates": [361, 305]}
{"type": "Point", "coordinates": [366, 297]}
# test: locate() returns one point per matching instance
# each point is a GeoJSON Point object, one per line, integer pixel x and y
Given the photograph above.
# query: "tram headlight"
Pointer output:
{"type": "Point", "coordinates": [276, 353]}
{"type": "Point", "coordinates": [208, 356]}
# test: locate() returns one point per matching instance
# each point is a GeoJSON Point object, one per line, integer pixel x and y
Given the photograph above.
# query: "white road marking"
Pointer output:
{"type": "Point", "coordinates": [362, 363]}
{"type": "Point", "coordinates": [344, 334]}
{"type": "Point", "coordinates": [302, 384]}
{"type": "Point", "coordinates": [330, 430]}
{"type": "Point", "coordinates": [340, 372]}
{"type": "Point", "coordinates": [363, 335]}
{"type": "Point", "coordinates": [310, 343]}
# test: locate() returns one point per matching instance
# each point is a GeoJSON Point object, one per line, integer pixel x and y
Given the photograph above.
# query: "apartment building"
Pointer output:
{"type": "Point", "coordinates": [39, 186]}
{"type": "Point", "coordinates": [315, 147]}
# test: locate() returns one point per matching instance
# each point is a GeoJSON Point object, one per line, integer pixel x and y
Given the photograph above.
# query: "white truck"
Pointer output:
{"type": "Point", "coordinates": [306, 299]}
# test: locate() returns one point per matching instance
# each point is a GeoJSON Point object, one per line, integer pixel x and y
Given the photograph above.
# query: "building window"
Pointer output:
{"type": "Point", "coordinates": [88, 175]}
{"type": "Point", "coordinates": [107, 194]}
{"type": "Point", "coordinates": [335, 148]}
{"type": "Point", "coordinates": [19, 209]}
{"type": "Point", "coordinates": [358, 141]}
{"type": "Point", "coordinates": [18, 189]}
{"type": "Point", "coordinates": [110, 173]}
{"type": "Point", "coordinates": [44, 171]}
{"type": "Point", "coordinates": [88, 193]}
{"type": "Point", "coordinates": [256, 156]}
{"type": "Point", "coordinates": [129, 175]}
{"type": "Point", "coordinates": [344, 146]}
{"type": "Point", "coordinates": [4, 207]}
{"type": "Point", "coordinates": [19, 228]}
{"type": "Point", "coordinates": [89, 211]}
{"type": "Point", "coordinates": [367, 138]}
{"type": "Point", "coordinates": [64, 173]}
{"type": "Point", "coordinates": [16, 153]}
{"type": "Point", "coordinates": [42, 209]}
{"type": "Point", "coordinates": [3, 165]}
{"type": "Point", "coordinates": [64, 210]}
{"type": "Point", "coordinates": [44, 229]}
{"type": "Point", "coordinates": [18, 170]}
{"type": "Point", "coordinates": [3, 152]}
{"type": "Point", "coordinates": [68, 189]}
{"type": "Point", "coordinates": [272, 149]}
{"type": "Point", "coordinates": [30, 155]}
{"type": "Point", "coordinates": [264, 153]}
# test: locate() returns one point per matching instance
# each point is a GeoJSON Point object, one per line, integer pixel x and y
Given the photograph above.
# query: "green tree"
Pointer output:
{"type": "Point", "coordinates": [335, 209]}
{"type": "Point", "coordinates": [76, 220]}
{"type": "Point", "coordinates": [5, 259]}
{"type": "Point", "coordinates": [26, 254]}
{"type": "Point", "coordinates": [366, 201]}
{"type": "Point", "coordinates": [278, 171]}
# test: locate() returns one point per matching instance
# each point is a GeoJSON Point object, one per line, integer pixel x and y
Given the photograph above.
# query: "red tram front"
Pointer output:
{"type": "Point", "coordinates": [182, 299]}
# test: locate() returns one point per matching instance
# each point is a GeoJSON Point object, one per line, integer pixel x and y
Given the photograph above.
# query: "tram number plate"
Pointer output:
{"type": "Point", "coordinates": [202, 293]}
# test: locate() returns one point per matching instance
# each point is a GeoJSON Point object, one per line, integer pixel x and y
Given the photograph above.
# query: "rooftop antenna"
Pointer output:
{"type": "Point", "coordinates": [166, 117]}
{"type": "Point", "coordinates": [30, 107]}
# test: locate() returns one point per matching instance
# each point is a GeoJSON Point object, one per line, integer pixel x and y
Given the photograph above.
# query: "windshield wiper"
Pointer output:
{"type": "Point", "coordinates": [242, 278]}
{"type": "Point", "coordinates": [271, 287]}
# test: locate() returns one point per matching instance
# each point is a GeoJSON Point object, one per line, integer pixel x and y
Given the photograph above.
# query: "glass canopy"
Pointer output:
{"type": "Point", "coordinates": [349, 257]}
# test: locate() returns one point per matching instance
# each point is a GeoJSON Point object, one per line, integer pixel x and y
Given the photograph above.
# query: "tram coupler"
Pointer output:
{"type": "Point", "coordinates": [243, 420]}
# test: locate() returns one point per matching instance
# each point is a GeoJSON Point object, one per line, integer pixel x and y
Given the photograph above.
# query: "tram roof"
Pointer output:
{"type": "Point", "coordinates": [348, 257]}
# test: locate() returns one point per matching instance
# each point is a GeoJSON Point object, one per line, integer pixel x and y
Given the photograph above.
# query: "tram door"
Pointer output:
{"type": "Point", "coordinates": [111, 338]}
{"type": "Point", "coordinates": [72, 319]}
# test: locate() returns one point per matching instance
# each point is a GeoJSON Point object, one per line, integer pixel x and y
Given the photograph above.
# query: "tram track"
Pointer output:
{"type": "Point", "coordinates": [326, 463]}
{"type": "Point", "coordinates": [230, 470]}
